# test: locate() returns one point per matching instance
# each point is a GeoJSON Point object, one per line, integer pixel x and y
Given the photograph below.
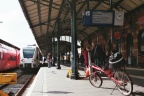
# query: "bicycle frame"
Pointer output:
{"type": "Point", "coordinates": [116, 75]}
{"type": "Point", "coordinates": [109, 75]}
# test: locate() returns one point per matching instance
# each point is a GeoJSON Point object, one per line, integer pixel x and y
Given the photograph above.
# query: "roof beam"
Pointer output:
{"type": "Point", "coordinates": [83, 32]}
{"type": "Point", "coordinates": [43, 4]}
{"type": "Point", "coordinates": [60, 12]}
{"type": "Point", "coordinates": [84, 3]}
{"type": "Point", "coordinates": [39, 14]}
{"type": "Point", "coordinates": [97, 5]}
{"type": "Point", "coordinates": [44, 23]}
{"type": "Point", "coordinates": [50, 2]}
{"type": "Point", "coordinates": [118, 4]}
{"type": "Point", "coordinates": [49, 14]}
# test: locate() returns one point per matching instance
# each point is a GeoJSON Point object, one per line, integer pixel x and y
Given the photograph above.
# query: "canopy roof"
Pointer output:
{"type": "Point", "coordinates": [42, 17]}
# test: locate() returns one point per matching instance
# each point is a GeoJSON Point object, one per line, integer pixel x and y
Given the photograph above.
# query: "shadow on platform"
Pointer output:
{"type": "Point", "coordinates": [137, 93]}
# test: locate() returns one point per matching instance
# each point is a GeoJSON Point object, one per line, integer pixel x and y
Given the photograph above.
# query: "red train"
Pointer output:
{"type": "Point", "coordinates": [9, 56]}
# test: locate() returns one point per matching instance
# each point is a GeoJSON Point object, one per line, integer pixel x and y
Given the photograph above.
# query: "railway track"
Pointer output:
{"type": "Point", "coordinates": [25, 84]}
{"type": "Point", "coordinates": [23, 80]}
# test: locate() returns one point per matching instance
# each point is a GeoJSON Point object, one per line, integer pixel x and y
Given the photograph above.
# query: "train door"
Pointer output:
{"type": "Point", "coordinates": [11, 57]}
{"type": "Point", "coordinates": [17, 58]}
{"type": "Point", "coordinates": [1, 60]}
{"type": "Point", "coordinates": [129, 47]}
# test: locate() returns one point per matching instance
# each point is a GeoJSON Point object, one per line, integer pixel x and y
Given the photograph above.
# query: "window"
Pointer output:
{"type": "Point", "coordinates": [141, 41]}
{"type": "Point", "coordinates": [28, 53]}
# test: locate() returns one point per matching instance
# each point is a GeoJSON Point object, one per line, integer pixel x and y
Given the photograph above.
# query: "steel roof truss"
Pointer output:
{"type": "Point", "coordinates": [49, 14]}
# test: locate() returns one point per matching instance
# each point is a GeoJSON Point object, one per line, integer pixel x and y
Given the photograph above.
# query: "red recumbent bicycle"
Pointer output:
{"type": "Point", "coordinates": [116, 72]}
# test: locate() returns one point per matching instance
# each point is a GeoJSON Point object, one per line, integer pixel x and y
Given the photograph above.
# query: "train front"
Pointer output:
{"type": "Point", "coordinates": [29, 58]}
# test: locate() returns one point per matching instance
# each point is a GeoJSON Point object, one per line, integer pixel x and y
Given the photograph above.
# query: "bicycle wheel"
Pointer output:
{"type": "Point", "coordinates": [126, 85]}
{"type": "Point", "coordinates": [95, 79]}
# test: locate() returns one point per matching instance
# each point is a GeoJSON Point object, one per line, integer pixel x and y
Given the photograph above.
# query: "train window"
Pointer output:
{"type": "Point", "coordinates": [9, 58]}
{"type": "Point", "coordinates": [12, 58]}
{"type": "Point", "coordinates": [28, 53]}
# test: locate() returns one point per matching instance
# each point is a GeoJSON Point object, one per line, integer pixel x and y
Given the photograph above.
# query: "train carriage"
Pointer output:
{"type": "Point", "coordinates": [9, 56]}
{"type": "Point", "coordinates": [31, 57]}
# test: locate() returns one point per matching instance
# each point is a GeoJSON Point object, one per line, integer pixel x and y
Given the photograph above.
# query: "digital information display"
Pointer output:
{"type": "Point", "coordinates": [102, 17]}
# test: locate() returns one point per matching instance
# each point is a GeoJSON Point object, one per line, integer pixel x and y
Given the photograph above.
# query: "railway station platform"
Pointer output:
{"type": "Point", "coordinates": [53, 82]}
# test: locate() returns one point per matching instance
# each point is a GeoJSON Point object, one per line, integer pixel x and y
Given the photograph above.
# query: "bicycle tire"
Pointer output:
{"type": "Point", "coordinates": [96, 80]}
{"type": "Point", "coordinates": [126, 87]}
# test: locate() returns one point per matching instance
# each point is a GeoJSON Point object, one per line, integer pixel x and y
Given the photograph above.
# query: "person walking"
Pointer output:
{"type": "Point", "coordinates": [49, 59]}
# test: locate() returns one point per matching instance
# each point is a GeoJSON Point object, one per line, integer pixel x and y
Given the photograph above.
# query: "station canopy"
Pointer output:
{"type": "Point", "coordinates": [43, 16]}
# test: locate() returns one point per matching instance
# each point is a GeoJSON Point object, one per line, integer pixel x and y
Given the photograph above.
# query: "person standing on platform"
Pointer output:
{"type": "Point", "coordinates": [98, 55]}
{"type": "Point", "coordinates": [85, 55]}
{"type": "Point", "coordinates": [49, 59]}
{"type": "Point", "coordinates": [93, 45]}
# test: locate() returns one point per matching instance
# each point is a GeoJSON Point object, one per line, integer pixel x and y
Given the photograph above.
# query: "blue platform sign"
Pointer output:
{"type": "Point", "coordinates": [87, 18]}
{"type": "Point", "coordinates": [98, 18]}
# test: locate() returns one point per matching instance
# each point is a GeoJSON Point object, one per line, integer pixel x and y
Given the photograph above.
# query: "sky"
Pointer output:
{"type": "Point", "coordinates": [14, 27]}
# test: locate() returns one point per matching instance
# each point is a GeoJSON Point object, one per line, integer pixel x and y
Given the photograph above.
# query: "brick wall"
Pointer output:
{"type": "Point", "coordinates": [127, 29]}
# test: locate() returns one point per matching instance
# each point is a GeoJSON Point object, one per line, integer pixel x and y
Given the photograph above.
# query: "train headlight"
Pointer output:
{"type": "Point", "coordinates": [22, 60]}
